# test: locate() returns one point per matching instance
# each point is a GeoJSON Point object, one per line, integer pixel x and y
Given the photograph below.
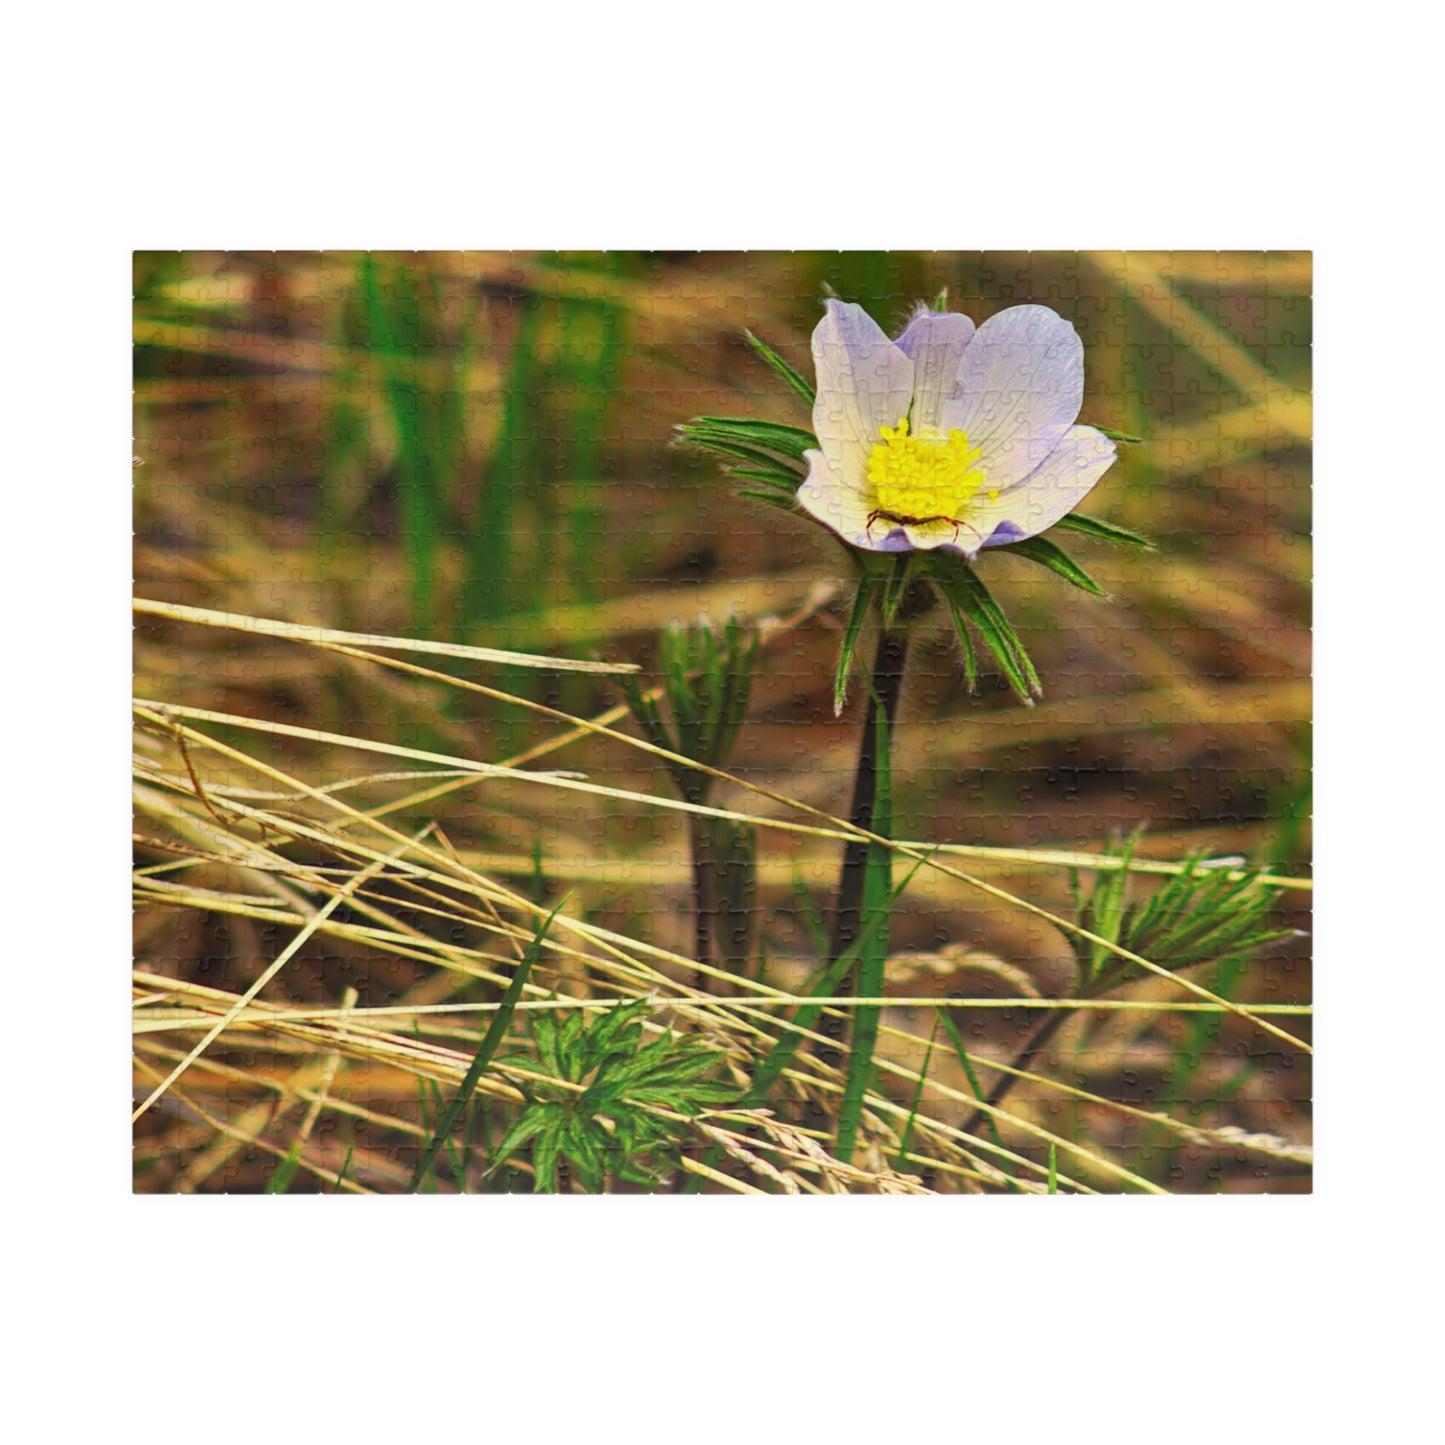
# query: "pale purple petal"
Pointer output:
{"type": "Point", "coordinates": [935, 342]}
{"type": "Point", "coordinates": [1051, 491]}
{"type": "Point", "coordinates": [1021, 384]}
{"type": "Point", "coordinates": [828, 497]}
{"type": "Point", "coordinates": [939, 534]}
{"type": "Point", "coordinates": [864, 383]}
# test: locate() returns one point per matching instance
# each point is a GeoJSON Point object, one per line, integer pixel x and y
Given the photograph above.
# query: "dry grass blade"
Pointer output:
{"type": "Point", "coordinates": [841, 828]}
{"type": "Point", "coordinates": [297, 632]}
{"type": "Point", "coordinates": [287, 954]}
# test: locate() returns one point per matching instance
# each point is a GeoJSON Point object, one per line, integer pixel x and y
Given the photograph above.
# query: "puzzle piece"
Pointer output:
{"type": "Point", "coordinates": [434, 892]}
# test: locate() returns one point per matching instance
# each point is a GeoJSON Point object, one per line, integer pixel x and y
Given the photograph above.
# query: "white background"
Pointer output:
{"type": "Point", "coordinates": [762, 126]}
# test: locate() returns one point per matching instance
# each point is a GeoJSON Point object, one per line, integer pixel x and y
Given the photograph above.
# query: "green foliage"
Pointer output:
{"type": "Point", "coordinates": [900, 1159]}
{"type": "Point", "coordinates": [771, 453]}
{"type": "Point", "coordinates": [970, 603]}
{"type": "Point", "coordinates": [609, 1126]}
{"type": "Point", "coordinates": [402, 322]}
{"type": "Point", "coordinates": [825, 984]}
{"type": "Point", "coordinates": [1199, 915]}
{"type": "Point", "coordinates": [878, 898]}
{"type": "Point", "coordinates": [501, 1022]}
{"type": "Point", "coordinates": [956, 1039]}
{"type": "Point", "coordinates": [493, 584]}
{"type": "Point", "coordinates": [732, 852]}
{"type": "Point", "coordinates": [1051, 555]}
{"type": "Point", "coordinates": [707, 677]}
{"type": "Point", "coordinates": [1103, 531]}
{"type": "Point", "coordinates": [868, 586]}
{"type": "Point", "coordinates": [781, 367]}
{"type": "Point", "coordinates": [280, 1181]}
{"type": "Point", "coordinates": [592, 332]}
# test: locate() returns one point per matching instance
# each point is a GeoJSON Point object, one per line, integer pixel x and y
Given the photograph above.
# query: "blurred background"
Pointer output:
{"type": "Point", "coordinates": [477, 447]}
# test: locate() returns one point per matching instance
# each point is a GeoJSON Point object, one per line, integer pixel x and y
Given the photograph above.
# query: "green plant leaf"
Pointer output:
{"type": "Point", "coordinates": [606, 1033]}
{"type": "Point", "coordinates": [1048, 554]}
{"type": "Point", "coordinates": [544, 1033]}
{"type": "Point", "coordinates": [1104, 531]}
{"type": "Point", "coordinates": [570, 1049]}
{"type": "Point", "coordinates": [782, 368]}
{"type": "Point", "coordinates": [772, 477]}
{"type": "Point", "coordinates": [772, 499]}
{"type": "Point", "coordinates": [965, 591]}
{"type": "Point", "coordinates": [822, 986]}
{"type": "Point", "coordinates": [956, 1039]}
{"type": "Point", "coordinates": [965, 642]}
{"type": "Point", "coordinates": [900, 1160]}
{"type": "Point", "coordinates": [868, 585]}
{"type": "Point", "coordinates": [1197, 916]}
{"type": "Point", "coordinates": [787, 441]}
{"type": "Point", "coordinates": [537, 1118]}
{"type": "Point", "coordinates": [732, 450]}
{"type": "Point", "coordinates": [545, 1151]}
{"type": "Point", "coordinates": [501, 1021]}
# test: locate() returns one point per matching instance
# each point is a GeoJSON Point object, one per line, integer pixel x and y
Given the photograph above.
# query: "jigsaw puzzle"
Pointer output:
{"type": "Point", "coordinates": [768, 723]}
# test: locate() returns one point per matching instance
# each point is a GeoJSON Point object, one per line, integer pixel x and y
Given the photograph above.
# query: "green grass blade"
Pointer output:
{"type": "Point", "coordinates": [285, 1171]}
{"type": "Point", "coordinates": [598, 384]}
{"type": "Point", "coordinates": [901, 1158]}
{"type": "Point", "coordinates": [968, 1071]}
{"type": "Point", "coordinates": [491, 587]}
{"type": "Point", "coordinates": [823, 986]}
{"type": "Point", "coordinates": [392, 326]}
{"type": "Point", "coordinates": [771, 499]}
{"type": "Point", "coordinates": [345, 1165]}
{"type": "Point", "coordinates": [501, 1021]}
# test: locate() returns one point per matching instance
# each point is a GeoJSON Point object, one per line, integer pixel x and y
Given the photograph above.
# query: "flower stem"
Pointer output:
{"type": "Point", "coordinates": [1037, 1043]}
{"type": "Point", "coordinates": [702, 892]}
{"type": "Point", "coordinates": [887, 683]}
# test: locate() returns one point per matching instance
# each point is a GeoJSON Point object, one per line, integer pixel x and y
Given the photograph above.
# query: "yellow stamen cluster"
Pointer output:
{"type": "Point", "coordinates": [922, 477]}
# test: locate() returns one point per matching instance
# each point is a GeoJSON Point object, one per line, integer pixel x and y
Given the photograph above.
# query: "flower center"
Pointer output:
{"type": "Point", "coordinates": [922, 478]}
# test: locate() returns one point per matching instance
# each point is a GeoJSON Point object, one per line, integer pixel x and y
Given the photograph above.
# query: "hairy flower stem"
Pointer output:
{"type": "Point", "coordinates": [1038, 1042]}
{"type": "Point", "coordinates": [882, 700]}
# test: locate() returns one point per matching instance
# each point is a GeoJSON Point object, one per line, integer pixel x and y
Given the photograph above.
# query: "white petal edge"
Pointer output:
{"type": "Point", "coordinates": [935, 342]}
{"type": "Point", "coordinates": [1052, 491]}
{"type": "Point", "coordinates": [1021, 384]}
{"type": "Point", "coordinates": [826, 496]}
{"type": "Point", "coordinates": [864, 383]}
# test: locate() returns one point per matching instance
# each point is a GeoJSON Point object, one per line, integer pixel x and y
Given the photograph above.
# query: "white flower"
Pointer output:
{"type": "Point", "coordinates": [948, 437]}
